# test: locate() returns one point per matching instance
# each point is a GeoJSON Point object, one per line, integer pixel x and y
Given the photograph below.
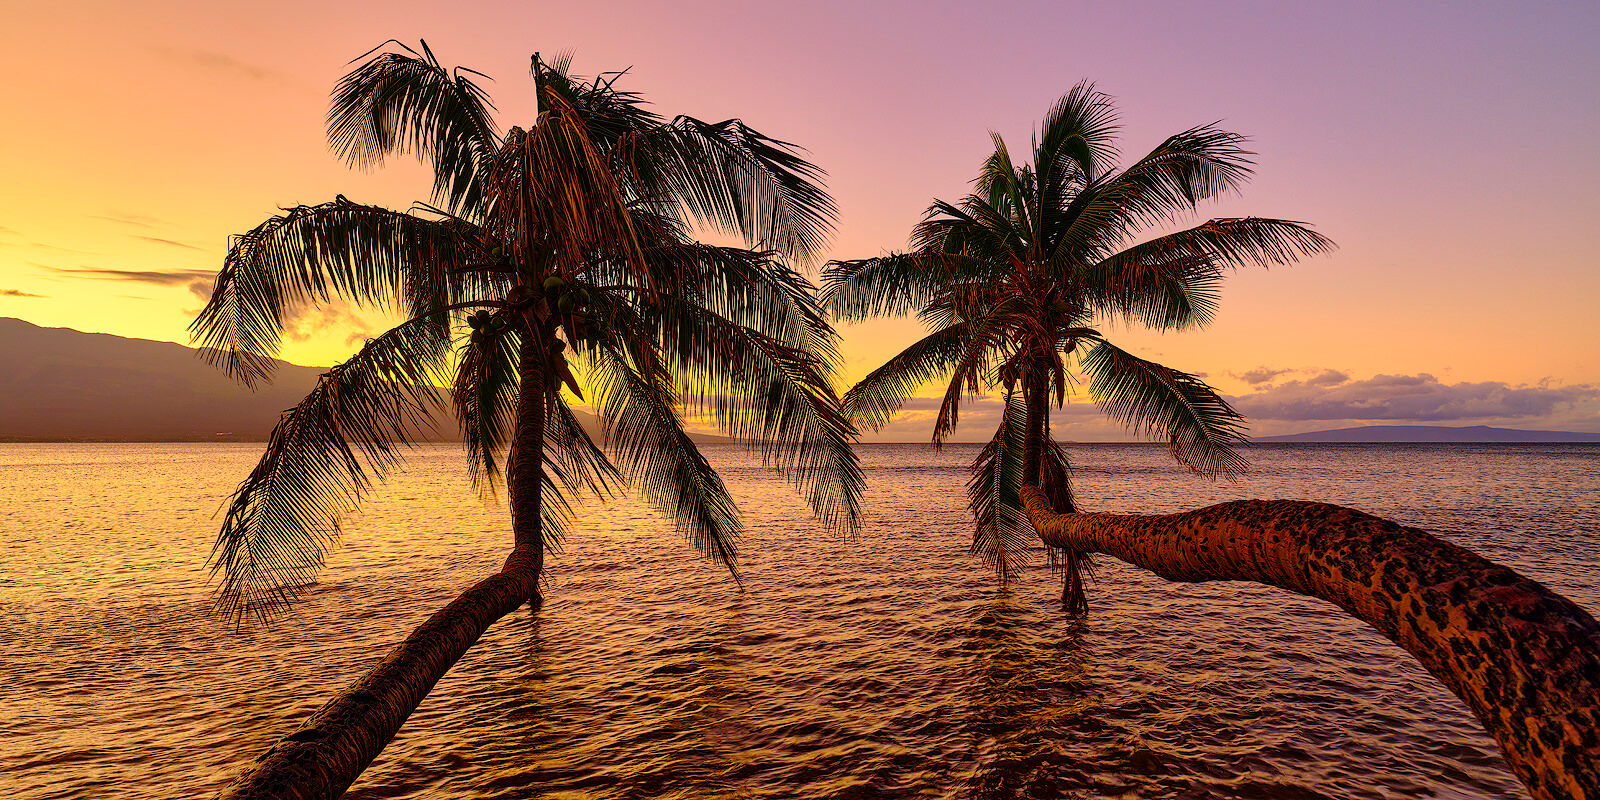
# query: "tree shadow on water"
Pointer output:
{"type": "Point", "coordinates": [1028, 692]}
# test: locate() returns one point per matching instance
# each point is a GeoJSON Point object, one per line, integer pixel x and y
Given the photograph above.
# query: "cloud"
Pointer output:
{"type": "Point", "coordinates": [1417, 398]}
{"type": "Point", "coordinates": [135, 220]}
{"type": "Point", "coordinates": [309, 322]}
{"type": "Point", "coordinates": [197, 281]}
{"type": "Point", "coordinates": [1259, 375]}
{"type": "Point", "coordinates": [17, 293]}
{"type": "Point", "coordinates": [221, 62]}
{"type": "Point", "coordinates": [159, 240]}
{"type": "Point", "coordinates": [1331, 377]}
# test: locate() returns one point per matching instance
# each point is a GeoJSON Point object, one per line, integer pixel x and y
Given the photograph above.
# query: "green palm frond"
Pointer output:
{"type": "Point", "coordinates": [998, 184]}
{"type": "Point", "coordinates": [1197, 164]}
{"type": "Point", "coordinates": [322, 457]}
{"type": "Point", "coordinates": [658, 457]}
{"type": "Point", "coordinates": [1003, 535]}
{"type": "Point", "coordinates": [485, 395]}
{"type": "Point", "coordinates": [973, 370]}
{"type": "Point", "coordinates": [895, 285]}
{"type": "Point", "coordinates": [1172, 281]}
{"type": "Point", "coordinates": [740, 181]}
{"type": "Point", "coordinates": [875, 400]}
{"type": "Point", "coordinates": [1076, 143]}
{"type": "Point", "coordinates": [1154, 400]}
{"type": "Point", "coordinates": [976, 228]}
{"type": "Point", "coordinates": [367, 255]}
{"type": "Point", "coordinates": [746, 287]}
{"type": "Point", "coordinates": [573, 457]}
{"type": "Point", "coordinates": [772, 396]}
{"type": "Point", "coordinates": [399, 103]}
{"type": "Point", "coordinates": [572, 463]}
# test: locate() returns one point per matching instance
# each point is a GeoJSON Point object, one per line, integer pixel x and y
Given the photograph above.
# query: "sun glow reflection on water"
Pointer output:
{"type": "Point", "coordinates": [885, 666]}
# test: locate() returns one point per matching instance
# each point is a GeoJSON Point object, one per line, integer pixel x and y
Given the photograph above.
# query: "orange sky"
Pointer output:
{"type": "Point", "coordinates": [1448, 148]}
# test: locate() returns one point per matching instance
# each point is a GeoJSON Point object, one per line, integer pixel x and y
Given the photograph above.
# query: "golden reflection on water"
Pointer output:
{"type": "Point", "coordinates": [888, 666]}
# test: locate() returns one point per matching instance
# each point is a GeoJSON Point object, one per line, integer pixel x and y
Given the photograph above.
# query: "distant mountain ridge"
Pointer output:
{"type": "Point", "coordinates": [1433, 433]}
{"type": "Point", "coordinates": [64, 385]}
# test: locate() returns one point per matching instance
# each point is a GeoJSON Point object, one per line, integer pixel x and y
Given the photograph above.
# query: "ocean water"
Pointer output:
{"type": "Point", "coordinates": [889, 665]}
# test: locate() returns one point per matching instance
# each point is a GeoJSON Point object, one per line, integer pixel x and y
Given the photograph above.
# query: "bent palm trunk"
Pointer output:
{"type": "Point", "coordinates": [1525, 659]}
{"type": "Point", "coordinates": [326, 754]}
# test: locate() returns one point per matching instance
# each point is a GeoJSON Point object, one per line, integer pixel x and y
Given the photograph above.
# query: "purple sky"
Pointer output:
{"type": "Point", "coordinates": [1447, 147]}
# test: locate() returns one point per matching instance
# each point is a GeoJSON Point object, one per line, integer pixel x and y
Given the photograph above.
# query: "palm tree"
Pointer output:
{"type": "Point", "coordinates": [551, 261]}
{"type": "Point", "coordinates": [1523, 658]}
{"type": "Point", "coordinates": [1012, 279]}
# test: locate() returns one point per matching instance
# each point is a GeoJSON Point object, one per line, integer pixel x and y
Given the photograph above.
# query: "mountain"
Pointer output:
{"type": "Point", "coordinates": [62, 385]}
{"type": "Point", "coordinates": [1431, 433]}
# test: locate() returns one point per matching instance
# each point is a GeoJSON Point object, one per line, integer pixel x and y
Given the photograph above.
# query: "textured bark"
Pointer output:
{"type": "Point", "coordinates": [1525, 659]}
{"type": "Point", "coordinates": [525, 467]}
{"type": "Point", "coordinates": [326, 754]}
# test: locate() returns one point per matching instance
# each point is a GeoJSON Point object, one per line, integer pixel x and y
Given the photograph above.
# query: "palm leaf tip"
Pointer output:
{"type": "Point", "coordinates": [1200, 426]}
{"type": "Point", "coordinates": [1002, 535]}
{"type": "Point", "coordinates": [322, 458]}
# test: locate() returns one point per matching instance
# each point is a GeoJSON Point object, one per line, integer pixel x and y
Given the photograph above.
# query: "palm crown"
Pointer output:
{"type": "Point", "coordinates": [1012, 278]}
{"type": "Point", "coordinates": [548, 253]}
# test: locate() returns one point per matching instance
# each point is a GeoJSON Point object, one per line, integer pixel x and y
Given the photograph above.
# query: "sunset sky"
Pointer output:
{"type": "Point", "coordinates": [1449, 149]}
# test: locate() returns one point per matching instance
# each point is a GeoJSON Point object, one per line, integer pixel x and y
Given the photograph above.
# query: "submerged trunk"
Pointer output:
{"type": "Point", "coordinates": [327, 753]}
{"type": "Point", "coordinates": [1525, 659]}
{"type": "Point", "coordinates": [1050, 477]}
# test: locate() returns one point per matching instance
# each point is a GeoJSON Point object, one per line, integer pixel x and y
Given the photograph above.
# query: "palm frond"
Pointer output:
{"type": "Point", "coordinates": [553, 195]}
{"type": "Point", "coordinates": [895, 285]}
{"type": "Point", "coordinates": [972, 371]}
{"type": "Point", "coordinates": [770, 395]}
{"type": "Point", "coordinates": [1003, 534]}
{"type": "Point", "coordinates": [409, 103]}
{"type": "Point", "coordinates": [656, 454]}
{"type": "Point", "coordinates": [1154, 400]}
{"type": "Point", "coordinates": [1189, 167]}
{"type": "Point", "coordinates": [485, 395]}
{"type": "Point", "coordinates": [738, 180]}
{"type": "Point", "coordinates": [321, 459]}
{"type": "Point", "coordinates": [573, 457]}
{"type": "Point", "coordinates": [874, 401]}
{"type": "Point", "coordinates": [1079, 130]}
{"type": "Point", "coordinates": [367, 255]}
{"type": "Point", "coordinates": [1172, 281]}
{"type": "Point", "coordinates": [746, 287]}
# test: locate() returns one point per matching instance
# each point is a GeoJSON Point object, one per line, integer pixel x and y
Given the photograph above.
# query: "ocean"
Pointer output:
{"type": "Point", "coordinates": [887, 665]}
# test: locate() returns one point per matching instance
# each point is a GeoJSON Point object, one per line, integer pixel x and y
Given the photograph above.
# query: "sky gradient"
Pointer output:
{"type": "Point", "coordinates": [1446, 147]}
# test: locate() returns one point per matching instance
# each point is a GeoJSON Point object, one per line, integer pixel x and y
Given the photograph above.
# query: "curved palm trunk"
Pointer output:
{"type": "Point", "coordinates": [1524, 659]}
{"type": "Point", "coordinates": [327, 753]}
{"type": "Point", "coordinates": [1036, 398]}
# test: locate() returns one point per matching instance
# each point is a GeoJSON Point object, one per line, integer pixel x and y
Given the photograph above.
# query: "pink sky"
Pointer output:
{"type": "Point", "coordinates": [1447, 147]}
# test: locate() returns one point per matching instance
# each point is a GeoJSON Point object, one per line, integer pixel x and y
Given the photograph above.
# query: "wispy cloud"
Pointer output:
{"type": "Point", "coordinates": [159, 240]}
{"type": "Point", "coordinates": [135, 220]}
{"type": "Point", "coordinates": [1259, 375]}
{"type": "Point", "coordinates": [312, 322]}
{"type": "Point", "coordinates": [222, 62]}
{"type": "Point", "coordinates": [197, 281]}
{"type": "Point", "coordinates": [17, 293]}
